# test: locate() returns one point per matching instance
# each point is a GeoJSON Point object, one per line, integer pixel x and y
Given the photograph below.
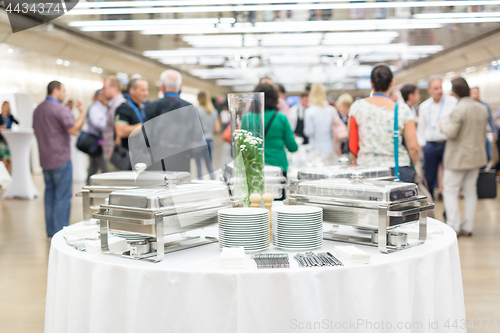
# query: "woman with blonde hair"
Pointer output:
{"type": "Point", "coordinates": [209, 118]}
{"type": "Point", "coordinates": [318, 120]}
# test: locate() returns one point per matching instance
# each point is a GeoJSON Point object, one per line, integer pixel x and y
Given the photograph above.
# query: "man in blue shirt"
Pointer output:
{"type": "Point", "coordinates": [96, 119]}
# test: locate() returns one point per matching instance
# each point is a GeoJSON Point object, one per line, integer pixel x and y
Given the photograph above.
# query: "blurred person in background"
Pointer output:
{"type": "Point", "coordinates": [371, 128]}
{"type": "Point", "coordinates": [296, 116]}
{"type": "Point", "coordinates": [411, 96]}
{"type": "Point", "coordinates": [96, 121]}
{"type": "Point", "coordinates": [475, 95]}
{"type": "Point", "coordinates": [343, 105]}
{"type": "Point", "coordinates": [210, 123]}
{"type": "Point", "coordinates": [112, 93]}
{"type": "Point", "coordinates": [279, 133]}
{"type": "Point", "coordinates": [189, 123]}
{"type": "Point", "coordinates": [224, 117]}
{"type": "Point", "coordinates": [6, 121]}
{"type": "Point", "coordinates": [127, 114]}
{"type": "Point", "coordinates": [318, 121]}
{"type": "Point", "coordinates": [436, 109]}
{"type": "Point", "coordinates": [70, 104]}
{"type": "Point", "coordinates": [464, 156]}
{"type": "Point", "coordinates": [497, 123]}
{"type": "Point", "coordinates": [282, 104]}
{"type": "Point", "coordinates": [53, 125]}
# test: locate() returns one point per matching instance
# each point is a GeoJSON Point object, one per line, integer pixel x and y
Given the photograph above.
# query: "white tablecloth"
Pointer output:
{"type": "Point", "coordinates": [415, 290]}
{"type": "Point", "coordinates": [22, 185]}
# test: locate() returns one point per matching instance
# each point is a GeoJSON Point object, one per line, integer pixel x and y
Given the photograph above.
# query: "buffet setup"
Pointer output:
{"type": "Point", "coordinates": [351, 204]}
{"type": "Point", "coordinates": [130, 213]}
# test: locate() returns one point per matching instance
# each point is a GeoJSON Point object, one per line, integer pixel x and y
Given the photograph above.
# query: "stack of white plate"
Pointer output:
{"type": "Point", "coordinates": [247, 227]}
{"type": "Point", "coordinates": [298, 228]}
{"type": "Point", "coordinates": [130, 237]}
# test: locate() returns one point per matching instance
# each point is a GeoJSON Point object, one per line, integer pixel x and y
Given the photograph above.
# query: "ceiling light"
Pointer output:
{"type": "Point", "coordinates": [66, 63]}
{"type": "Point", "coordinates": [272, 7]}
{"type": "Point", "coordinates": [126, 23]}
{"type": "Point", "coordinates": [10, 50]}
{"type": "Point", "coordinates": [59, 61]}
{"type": "Point", "coordinates": [316, 50]}
{"type": "Point", "coordinates": [298, 26]}
{"type": "Point", "coordinates": [455, 15]}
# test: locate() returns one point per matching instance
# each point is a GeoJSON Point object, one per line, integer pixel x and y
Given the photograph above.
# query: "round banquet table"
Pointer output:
{"type": "Point", "coordinates": [22, 185]}
{"type": "Point", "coordinates": [418, 289]}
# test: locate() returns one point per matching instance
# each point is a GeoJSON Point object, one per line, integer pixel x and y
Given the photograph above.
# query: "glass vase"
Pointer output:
{"type": "Point", "coordinates": [247, 132]}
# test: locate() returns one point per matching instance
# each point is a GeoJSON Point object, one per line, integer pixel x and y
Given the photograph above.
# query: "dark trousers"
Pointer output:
{"type": "Point", "coordinates": [96, 163]}
{"type": "Point", "coordinates": [58, 194]}
{"type": "Point", "coordinates": [497, 167]}
{"type": "Point", "coordinates": [433, 156]}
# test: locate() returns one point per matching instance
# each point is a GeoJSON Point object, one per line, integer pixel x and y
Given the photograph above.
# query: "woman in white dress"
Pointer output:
{"type": "Point", "coordinates": [318, 120]}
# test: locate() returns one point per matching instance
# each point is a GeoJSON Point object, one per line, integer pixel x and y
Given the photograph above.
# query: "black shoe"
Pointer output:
{"type": "Point", "coordinates": [465, 234]}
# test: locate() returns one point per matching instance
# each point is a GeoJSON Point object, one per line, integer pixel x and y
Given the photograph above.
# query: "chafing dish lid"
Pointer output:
{"type": "Point", "coordinates": [161, 197]}
{"type": "Point", "coordinates": [358, 189]}
{"type": "Point", "coordinates": [130, 178]}
{"type": "Point", "coordinates": [337, 171]}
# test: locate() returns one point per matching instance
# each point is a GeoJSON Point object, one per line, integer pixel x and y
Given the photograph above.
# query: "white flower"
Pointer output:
{"type": "Point", "coordinates": [250, 133]}
{"type": "Point", "coordinates": [247, 140]}
{"type": "Point", "coordinates": [253, 142]}
{"type": "Point", "coordinates": [243, 146]}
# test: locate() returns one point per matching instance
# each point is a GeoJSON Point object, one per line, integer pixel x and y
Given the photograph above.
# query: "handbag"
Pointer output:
{"type": "Point", "coordinates": [89, 144]}
{"type": "Point", "coordinates": [339, 134]}
{"type": "Point", "coordinates": [120, 157]}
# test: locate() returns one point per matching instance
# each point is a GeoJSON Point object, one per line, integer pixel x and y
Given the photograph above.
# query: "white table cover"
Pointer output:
{"type": "Point", "coordinates": [22, 185]}
{"type": "Point", "coordinates": [415, 290]}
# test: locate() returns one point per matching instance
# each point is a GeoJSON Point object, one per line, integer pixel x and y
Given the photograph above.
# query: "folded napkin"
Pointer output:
{"type": "Point", "coordinates": [233, 257]}
{"type": "Point", "coordinates": [78, 229]}
{"type": "Point", "coordinates": [115, 244]}
{"type": "Point", "coordinates": [351, 255]}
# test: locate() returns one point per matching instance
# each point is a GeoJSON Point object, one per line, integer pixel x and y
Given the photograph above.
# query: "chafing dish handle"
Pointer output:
{"type": "Point", "coordinates": [100, 216]}
{"type": "Point", "coordinates": [411, 211]}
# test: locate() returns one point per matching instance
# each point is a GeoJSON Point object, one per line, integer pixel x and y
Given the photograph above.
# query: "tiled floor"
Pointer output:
{"type": "Point", "coordinates": [24, 256]}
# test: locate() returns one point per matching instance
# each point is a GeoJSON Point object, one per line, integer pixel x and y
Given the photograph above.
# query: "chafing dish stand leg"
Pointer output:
{"type": "Point", "coordinates": [383, 221]}
{"type": "Point", "coordinates": [160, 246]}
{"type": "Point", "coordinates": [86, 206]}
{"type": "Point", "coordinates": [422, 226]}
{"type": "Point", "coordinates": [104, 231]}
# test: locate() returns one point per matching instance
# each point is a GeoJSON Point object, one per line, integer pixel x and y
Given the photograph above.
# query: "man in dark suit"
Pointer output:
{"type": "Point", "coordinates": [174, 130]}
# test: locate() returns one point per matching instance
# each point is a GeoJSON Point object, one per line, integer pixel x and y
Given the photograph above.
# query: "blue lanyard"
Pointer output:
{"type": "Point", "coordinates": [440, 110]}
{"type": "Point", "coordinates": [381, 95]}
{"type": "Point", "coordinates": [141, 119]}
{"type": "Point", "coordinates": [171, 95]}
{"type": "Point", "coordinates": [52, 99]}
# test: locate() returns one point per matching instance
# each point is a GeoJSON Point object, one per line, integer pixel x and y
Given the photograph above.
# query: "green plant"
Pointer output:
{"type": "Point", "coordinates": [248, 164]}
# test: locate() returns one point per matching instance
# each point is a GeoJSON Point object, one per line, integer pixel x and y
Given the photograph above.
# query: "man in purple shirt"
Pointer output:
{"type": "Point", "coordinates": [53, 125]}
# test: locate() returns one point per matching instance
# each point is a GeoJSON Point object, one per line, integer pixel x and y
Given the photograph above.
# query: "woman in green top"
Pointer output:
{"type": "Point", "coordinates": [279, 134]}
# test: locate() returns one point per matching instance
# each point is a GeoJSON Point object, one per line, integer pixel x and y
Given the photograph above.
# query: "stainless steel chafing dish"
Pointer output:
{"type": "Point", "coordinates": [162, 210]}
{"type": "Point", "coordinates": [339, 171]}
{"type": "Point", "coordinates": [366, 204]}
{"type": "Point", "coordinates": [274, 180]}
{"type": "Point", "coordinates": [101, 185]}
